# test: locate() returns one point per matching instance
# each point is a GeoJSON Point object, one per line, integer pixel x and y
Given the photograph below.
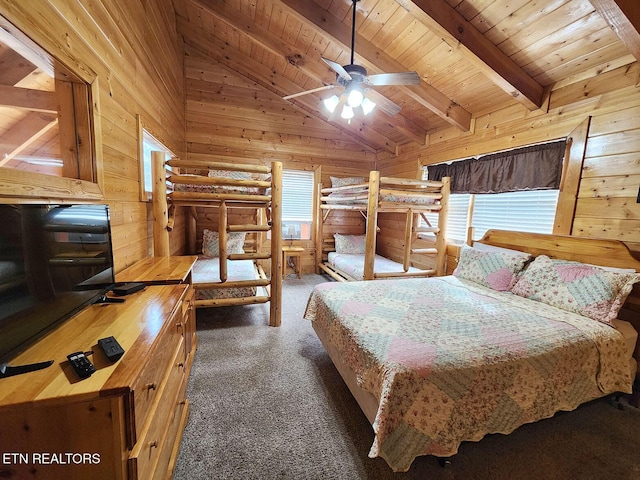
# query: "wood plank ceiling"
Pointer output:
{"type": "Point", "coordinates": [473, 56]}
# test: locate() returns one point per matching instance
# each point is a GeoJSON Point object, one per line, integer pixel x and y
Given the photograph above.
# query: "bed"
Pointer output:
{"type": "Point", "coordinates": [434, 362]}
{"type": "Point", "coordinates": [350, 266]}
{"type": "Point", "coordinates": [408, 200]}
{"type": "Point", "coordinates": [230, 211]}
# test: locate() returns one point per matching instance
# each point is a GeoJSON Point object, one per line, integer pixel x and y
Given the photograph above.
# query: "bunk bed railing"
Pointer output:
{"type": "Point", "coordinates": [414, 198]}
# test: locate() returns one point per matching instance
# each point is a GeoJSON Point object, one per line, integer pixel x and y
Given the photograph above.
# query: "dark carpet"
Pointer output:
{"type": "Point", "coordinates": [267, 403]}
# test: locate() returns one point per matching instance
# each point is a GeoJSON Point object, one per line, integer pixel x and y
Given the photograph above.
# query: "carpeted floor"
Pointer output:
{"type": "Point", "coordinates": [267, 403]}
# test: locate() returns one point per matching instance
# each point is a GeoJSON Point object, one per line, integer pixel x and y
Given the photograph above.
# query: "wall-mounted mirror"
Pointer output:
{"type": "Point", "coordinates": [47, 123]}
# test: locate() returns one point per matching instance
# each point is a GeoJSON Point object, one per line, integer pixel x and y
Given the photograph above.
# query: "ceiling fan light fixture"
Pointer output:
{"type": "Point", "coordinates": [367, 106]}
{"type": "Point", "coordinates": [331, 103]}
{"type": "Point", "coordinates": [355, 97]}
{"type": "Point", "coordinates": [347, 112]}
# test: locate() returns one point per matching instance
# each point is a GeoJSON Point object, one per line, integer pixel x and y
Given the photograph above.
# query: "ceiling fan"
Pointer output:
{"type": "Point", "coordinates": [358, 94]}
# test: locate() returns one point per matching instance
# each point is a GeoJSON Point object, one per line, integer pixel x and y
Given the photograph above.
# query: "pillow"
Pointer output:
{"type": "Point", "coordinates": [230, 174]}
{"type": "Point", "coordinates": [496, 270]}
{"type": "Point", "coordinates": [576, 287]}
{"type": "Point", "coordinates": [350, 243]}
{"type": "Point", "coordinates": [211, 243]}
{"type": "Point", "coordinates": [343, 182]}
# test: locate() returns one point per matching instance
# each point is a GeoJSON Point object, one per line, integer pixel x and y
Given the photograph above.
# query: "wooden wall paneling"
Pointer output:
{"type": "Point", "coordinates": [134, 51]}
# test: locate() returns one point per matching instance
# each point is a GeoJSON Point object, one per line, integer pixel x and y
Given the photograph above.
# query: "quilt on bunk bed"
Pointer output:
{"type": "Point", "coordinates": [196, 188]}
{"type": "Point", "coordinates": [358, 194]}
{"type": "Point", "coordinates": [452, 360]}
{"type": "Point", "coordinates": [207, 269]}
{"type": "Point", "coordinates": [350, 257]}
{"type": "Point", "coordinates": [353, 264]}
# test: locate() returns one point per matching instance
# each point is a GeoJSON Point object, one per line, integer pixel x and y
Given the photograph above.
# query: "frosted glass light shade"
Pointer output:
{"type": "Point", "coordinates": [347, 112]}
{"type": "Point", "coordinates": [367, 106]}
{"type": "Point", "coordinates": [355, 98]}
{"type": "Point", "coordinates": [331, 103]}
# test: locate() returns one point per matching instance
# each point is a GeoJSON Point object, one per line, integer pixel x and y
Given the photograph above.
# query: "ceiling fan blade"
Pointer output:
{"type": "Point", "coordinates": [306, 92]}
{"type": "Point", "coordinates": [336, 67]}
{"type": "Point", "coordinates": [383, 103]}
{"type": "Point", "coordinates": [400, 78]}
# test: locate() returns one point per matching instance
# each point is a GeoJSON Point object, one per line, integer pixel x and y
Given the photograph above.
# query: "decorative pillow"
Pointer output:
{"type": "Point", "coordinates": [496, 270]}
{"type": "Point", "coordinates": [576, 287]}
{"type": "Point", "coordinates": [350, 243]}
{"type": "Point", "coordinates": [211, 243]}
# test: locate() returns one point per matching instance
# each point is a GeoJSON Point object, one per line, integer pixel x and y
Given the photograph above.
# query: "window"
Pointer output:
{"type": "Point", "coordinates": [297, 204]}
{"type": "Point", "coordinates": [47, 122]}
{"type": "Point", "coordinates": [525, 211]}
{"type": "Point", "coordinates": [149, 144]}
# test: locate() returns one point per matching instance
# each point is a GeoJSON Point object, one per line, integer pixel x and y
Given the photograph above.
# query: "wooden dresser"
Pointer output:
{"type": "Point", "coordinates": [123, 422]}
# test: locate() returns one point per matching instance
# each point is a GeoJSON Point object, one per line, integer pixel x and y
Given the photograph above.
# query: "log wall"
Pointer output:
{"type": "Point", "coordinates": [606, 205]}
{"type": "Point", "coordinates": [134, 51]}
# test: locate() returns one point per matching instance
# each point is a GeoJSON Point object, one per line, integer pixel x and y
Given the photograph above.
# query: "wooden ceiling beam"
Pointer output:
{"type": "Point", "coordinates": [375, 59]}
{"type": "Point", "coordinates": [316, 71]}
{"type": "Point", "coordinates": [498, 67]}
{"type": "Point", "coordinates": [202, 41]}
{"type": "Point", "coordinates": [623, 16]}
{"type": "Point", "coordinates": [28, 99]}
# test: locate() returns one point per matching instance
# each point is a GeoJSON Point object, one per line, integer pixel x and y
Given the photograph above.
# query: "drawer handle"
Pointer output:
{"type": "Point", "coordinates": [153, 444]}
{"type": "Point", "coordinates": [151, 386]}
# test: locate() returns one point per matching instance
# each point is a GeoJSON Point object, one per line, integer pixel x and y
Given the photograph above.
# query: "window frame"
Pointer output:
{"type": "Point", "coordinates": [311, 204]}
{"type": "Point", "coordinates": [88, 183]}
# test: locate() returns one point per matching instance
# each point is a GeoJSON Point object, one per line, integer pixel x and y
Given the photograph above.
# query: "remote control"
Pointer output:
{"type": "Point", "coordinates": [111, 348]}
{"type": "Point", "coordinates": [81, 364]}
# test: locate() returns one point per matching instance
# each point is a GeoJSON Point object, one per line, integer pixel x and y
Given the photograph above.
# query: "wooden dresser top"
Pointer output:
{"type": "Point", "coordinates": [135, 324]}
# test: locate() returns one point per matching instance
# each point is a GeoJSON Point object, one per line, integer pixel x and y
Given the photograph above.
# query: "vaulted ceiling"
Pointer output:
{"type": "Point", "coordinates": [473, 57]}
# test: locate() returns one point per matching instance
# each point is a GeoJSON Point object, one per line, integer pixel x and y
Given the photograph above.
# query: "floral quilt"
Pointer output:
{"type": "Point", "coordinates": [207, 269]}
{"type": "Point", "coordinates": [452, 361]}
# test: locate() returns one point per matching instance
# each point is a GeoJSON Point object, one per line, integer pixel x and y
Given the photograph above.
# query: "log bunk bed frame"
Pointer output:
{"type": "Point", "coordinates": [266, 205]}
{"type": "Point", "coordinates": [370, 199]}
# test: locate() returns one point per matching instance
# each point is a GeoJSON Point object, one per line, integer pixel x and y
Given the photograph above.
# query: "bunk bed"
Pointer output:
{"type": "Point", "coordinates": [354, 257]}
{"type": "Point", "coordinates": [526, 326]}
{"type": "Point", "coordinates": [230, 266]}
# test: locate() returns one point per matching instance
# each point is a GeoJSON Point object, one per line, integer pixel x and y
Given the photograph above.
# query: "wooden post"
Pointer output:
{"type": "Point", "coordinates": [441, 241]}
{"type": "Point", "coordinates": [222, 240]}
{"type": "Point", "coordinates": [408, 232]}
{"type": "Point", "coordinates": [372, 223]}
{"type": "Point", "coordinates": [318, 220]}
{"type": "Point", "coordinates": [275, 305]}
{"type": "Point", "coordinates": [159, 201]}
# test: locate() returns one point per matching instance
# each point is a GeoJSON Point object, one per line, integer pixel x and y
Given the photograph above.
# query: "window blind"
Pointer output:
{"type": "Point", "coordinates": [297, 196]}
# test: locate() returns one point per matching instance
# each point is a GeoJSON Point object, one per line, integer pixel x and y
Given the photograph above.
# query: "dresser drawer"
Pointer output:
{"type": "Point", "coordinates": [145, 387]}
{"type": "Point", "coordinates": [145, 454]}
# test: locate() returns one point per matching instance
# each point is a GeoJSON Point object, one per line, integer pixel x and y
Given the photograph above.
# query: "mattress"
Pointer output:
{"type": "Point", "coordinates": [353, 264]}
{"type": "Point", "coordinates": [452, 361]}
{"type": "Point", "coordinates": [207, 270]}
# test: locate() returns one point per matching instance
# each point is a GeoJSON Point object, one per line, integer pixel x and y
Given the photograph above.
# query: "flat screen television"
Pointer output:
{"type": "Point", "coordinates": [54, 261]}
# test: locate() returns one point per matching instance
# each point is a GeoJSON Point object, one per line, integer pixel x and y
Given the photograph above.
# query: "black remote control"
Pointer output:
{"type": "Point", "coordinates": [111, 348]}
{"type": "Point", "coordinates": [81, 364]}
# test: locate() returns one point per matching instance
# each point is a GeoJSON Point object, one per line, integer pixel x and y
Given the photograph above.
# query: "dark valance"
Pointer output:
{"type": "Point", "coordinates": [538, 167]}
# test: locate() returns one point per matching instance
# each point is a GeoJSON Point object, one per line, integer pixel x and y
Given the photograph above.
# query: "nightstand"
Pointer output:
{"type": "Point", "coordinates": [296, 254]}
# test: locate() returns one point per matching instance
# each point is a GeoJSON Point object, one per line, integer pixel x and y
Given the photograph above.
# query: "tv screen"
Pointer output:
{"type": "Point", "coordinates": [54, 260]}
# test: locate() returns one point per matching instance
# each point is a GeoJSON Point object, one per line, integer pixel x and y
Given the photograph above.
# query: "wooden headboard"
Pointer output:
{"type": "Point", "coordinates": [603, 252]}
